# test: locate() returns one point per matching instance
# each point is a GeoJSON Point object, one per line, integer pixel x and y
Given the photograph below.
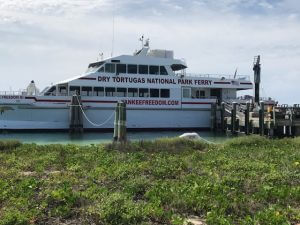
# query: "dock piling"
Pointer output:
{"type": "Point", "coordinates": [76, 119]}
{"type": "Point", "coordinates": [116, 122]}
{"type": "Point", "coordinates": [120, 134]}
{"type": "Point", "coordinates": [233, 118]}
{"type": "Point", "coordinates": [213, 116]}
{"type": "Point", "coordinates": [262, 118]}
{"type": "Point", "coordinates": [223, 129]}
{"type": "Point", "coordinates": [247, 118]}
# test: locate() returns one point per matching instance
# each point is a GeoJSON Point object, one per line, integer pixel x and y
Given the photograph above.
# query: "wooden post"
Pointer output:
{"type": "Point", "coordinates": [122, 136]}
{"type": "Point", "coordinates": [213, 116]}
{"type": "Point", "coordinates": [271, 129]}
{"type": "Point", "coordinates": [237, 125]}
{"type": "Point", "coordinates": [116, 123]}
{"type": "Point", "coordinates": [247, 118]}
{"type": "Point", "coordinates": [233, 118]}
{"type": "Point", "coordinates": [223, 117]}
{"type": "Point", "coordinates": [76, 120]}
{"type": "Point", "coordinates": [225, 125]}
{"type": "Point", "coordinates": [251, 126]}
{"type": "Point", "coordinates": [262, 118]}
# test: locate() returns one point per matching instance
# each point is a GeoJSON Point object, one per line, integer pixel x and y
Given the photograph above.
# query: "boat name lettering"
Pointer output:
{"type": "Point", "coordinates": [151, 102]}
{"type": "Point", "coordinates": [142, 80]}
{"type": "Point", "coordinates": [11, 97]}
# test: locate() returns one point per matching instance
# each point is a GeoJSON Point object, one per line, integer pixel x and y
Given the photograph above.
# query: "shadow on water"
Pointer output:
{"type": "Point", "coordinates": [87, 138]}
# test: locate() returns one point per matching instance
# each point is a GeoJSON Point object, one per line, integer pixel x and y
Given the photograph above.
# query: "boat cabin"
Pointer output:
{"type": "Point", "coordinates": [148, 74]}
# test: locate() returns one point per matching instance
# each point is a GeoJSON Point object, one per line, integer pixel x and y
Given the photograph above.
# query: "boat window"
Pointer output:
{"type": "Point", "coordinates": [98, 91]}
{"type": "Point", "coordinates": [196, 93]}
{"type": "Point", "coordinates": [121, 68]}
{"type": "Point", "coordinates": [96, 64]}
{"type": "Point", "coordinates": [186, 93]}
{"type": "Point", "coordinates": [110, 68]}
{"type": "Point", "coordinates": [51, 91]}
{"type": "Point", "coordinates": [93, 67]}
{"type": "Point", "coordinates": [121, 92]}
{"type": "Point", "coordinates": [86, 91]}
{"type": "Point", "coordinates": [163, 71]}
{"type": "Point", "coordinates": [74, 90]}
{"type": "Point", "coordinates": [144, 92]}
{"type": "Point", "coordinates": [132, 69]}
{"type": "Point", "coordinates": [202, 94]}
{"type": "Point", "coordinates": [165, 93]}
{"type": "Point", "coordinates": [62, 90]}
{"type": "Point", "coordinates": [154, 93]}
{"type": "Point", "coordinates": [132, 92]}
{"type": "Point", "coordinates": [101, 70]}
{"type": "Point", "coordinates": [154, 70]}
{"type": "Point", "coordinates": [143, 69]}
{"type": "Point", "coordinates": [110, 91]}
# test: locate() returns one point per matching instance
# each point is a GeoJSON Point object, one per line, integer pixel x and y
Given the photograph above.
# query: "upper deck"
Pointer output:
{"type": "Point", "coordinates": [145, 74]}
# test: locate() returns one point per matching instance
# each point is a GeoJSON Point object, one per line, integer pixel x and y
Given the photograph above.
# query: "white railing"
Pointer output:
{"type": "Point", "coordinates": [219, 76]}
{"type": "Point", "coordinates": [13, 93]}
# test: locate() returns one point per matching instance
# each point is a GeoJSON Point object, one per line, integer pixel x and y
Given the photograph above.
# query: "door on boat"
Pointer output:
{"type": "Point", "coordinates": [217, 93]}
{"type": "Point", "coordinates": [186, 93]}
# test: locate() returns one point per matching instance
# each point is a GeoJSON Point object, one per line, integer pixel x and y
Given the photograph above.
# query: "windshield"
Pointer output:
{"type": "Point", "coordinates": [93, 67]}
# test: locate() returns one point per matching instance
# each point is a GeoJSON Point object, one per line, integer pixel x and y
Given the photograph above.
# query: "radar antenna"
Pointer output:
{"type": "Point", "coordinates": [235, 73]}
{"type": "Point", "coordinates": [147, 42]}
{"type": "Point", "coordinates": [142, 40]}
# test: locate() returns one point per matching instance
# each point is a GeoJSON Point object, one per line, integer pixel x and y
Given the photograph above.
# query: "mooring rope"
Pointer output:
{"type": "Point", "coordinates": [94, 124]}
{"type": "Point", "coordinates": [207, 141]}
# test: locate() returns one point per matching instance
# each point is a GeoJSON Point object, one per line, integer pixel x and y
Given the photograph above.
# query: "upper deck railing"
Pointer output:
{"type": "Point", "coordinates": [218, 76]}
{"type": "Point", "coordinates": [13, 93]}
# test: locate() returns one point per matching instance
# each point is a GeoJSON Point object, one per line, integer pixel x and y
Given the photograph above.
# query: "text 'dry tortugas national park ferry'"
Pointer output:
{"type": "Point", "coordinates": [158, 92]}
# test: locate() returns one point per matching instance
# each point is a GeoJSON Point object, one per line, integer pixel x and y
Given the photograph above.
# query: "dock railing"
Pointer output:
{"type": "Point", "coordinates": [13, 93]}
{"type": "Point", "coordinates": [218, 76]}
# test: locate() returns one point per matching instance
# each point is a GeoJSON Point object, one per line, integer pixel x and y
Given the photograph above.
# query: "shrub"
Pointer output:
{"type": "Point", "coordinates": [170, 145]}
{"type": "Point", "coordinates": [9, 144]}
{"type": "Point", "coordinates": [247, 141]}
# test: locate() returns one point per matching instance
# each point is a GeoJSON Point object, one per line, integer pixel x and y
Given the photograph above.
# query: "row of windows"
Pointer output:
{"type": "Point", "coordinates": [120, 92]}
{"type": "Point", "coordinates": [133, 69]}
{"type": "Point", "coordinates": [192, 93]}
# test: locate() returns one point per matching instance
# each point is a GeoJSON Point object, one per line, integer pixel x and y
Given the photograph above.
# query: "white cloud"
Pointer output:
{"type": "Point", "coordinates": [51, 40]}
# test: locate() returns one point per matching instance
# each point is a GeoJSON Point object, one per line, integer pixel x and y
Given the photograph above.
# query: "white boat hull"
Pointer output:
{"type": "Point", "coordinates": [22, 118]}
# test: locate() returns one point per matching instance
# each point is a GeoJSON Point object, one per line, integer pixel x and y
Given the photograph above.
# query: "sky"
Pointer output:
{"type": "Point", "coordinates": [53, 40]}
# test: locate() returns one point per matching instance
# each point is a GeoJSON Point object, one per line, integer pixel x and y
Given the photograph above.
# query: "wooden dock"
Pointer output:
{"type": "Point", "coordinates": [255, 116]}
{"type": "Point", "coordinates": [262, 119]}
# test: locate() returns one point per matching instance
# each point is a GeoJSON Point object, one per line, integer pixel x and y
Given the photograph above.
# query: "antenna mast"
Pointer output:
{"type": "Point", "coordinates": [142, 40]}
{"type": "Point", "coordinates": [113, 32]}
{"type": "Point", "coordinates": [257, 71]}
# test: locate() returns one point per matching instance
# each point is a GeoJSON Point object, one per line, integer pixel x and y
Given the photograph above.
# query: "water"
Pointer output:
{"type": "Point", "coordinates": [100, 137]}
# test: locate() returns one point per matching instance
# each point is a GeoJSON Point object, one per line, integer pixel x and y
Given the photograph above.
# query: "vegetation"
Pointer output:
{"type": "Point", "coordinates": [248, 180]}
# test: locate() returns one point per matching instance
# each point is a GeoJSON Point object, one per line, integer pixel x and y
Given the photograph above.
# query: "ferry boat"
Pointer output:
{"type": "Point", "coordinates": [158, 92]}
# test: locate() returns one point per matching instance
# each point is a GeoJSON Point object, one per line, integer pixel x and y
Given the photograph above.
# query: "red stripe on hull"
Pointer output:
{"type": "Point", "coordinates": [47, 100]}
{"type": "Point", "coordinates": [92, 101]}
{"type": "Point", "coordinates": [246, 83]}
{"type": "Point", "coordinates": [222, 83]}
{"type": "Point", "coordinates": [95, 101]}
{"type": "Point", "coordinates": [87, 78]}
{"type": "Point", "coordinates": [196, 103]}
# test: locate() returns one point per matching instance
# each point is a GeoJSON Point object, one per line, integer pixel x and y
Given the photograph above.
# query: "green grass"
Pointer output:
{"type": "Point", "coordinates": [248, 180]}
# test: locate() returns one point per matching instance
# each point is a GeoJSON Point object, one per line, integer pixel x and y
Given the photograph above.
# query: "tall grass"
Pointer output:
{"type": "Point", "coordinates": [248, 180]}
{"type": "Point", "coordinates": [9, 144]}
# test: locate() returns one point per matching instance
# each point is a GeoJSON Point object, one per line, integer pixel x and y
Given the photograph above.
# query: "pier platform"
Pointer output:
{"type": "Point", "coordinates": [263, 118]}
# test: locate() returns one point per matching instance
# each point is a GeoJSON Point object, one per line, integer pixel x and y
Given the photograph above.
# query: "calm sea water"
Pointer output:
{"type": "Point", "coordinates": [100, 137]}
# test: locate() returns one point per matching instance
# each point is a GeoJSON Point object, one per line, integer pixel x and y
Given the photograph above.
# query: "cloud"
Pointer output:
{"type": "Point", "coordinates": [51, 40]}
